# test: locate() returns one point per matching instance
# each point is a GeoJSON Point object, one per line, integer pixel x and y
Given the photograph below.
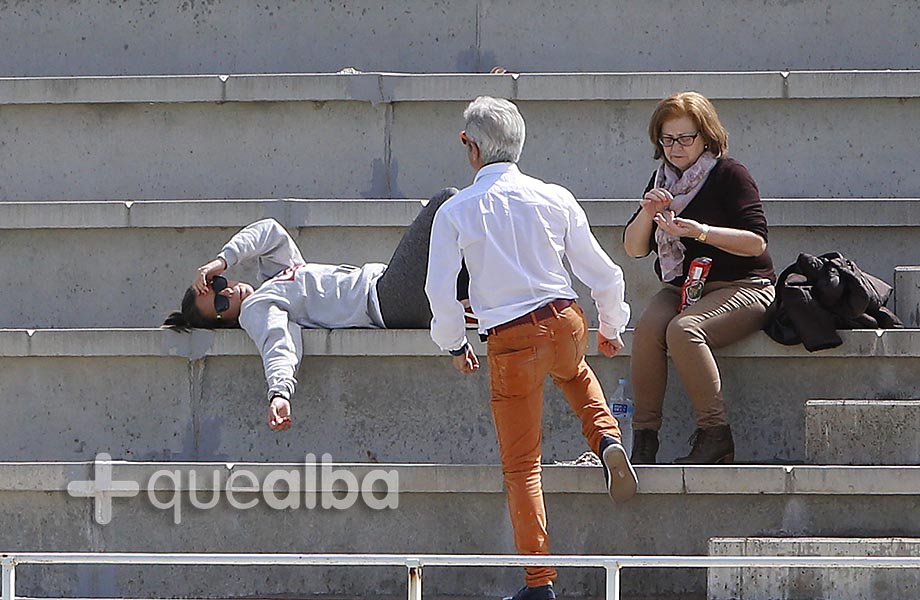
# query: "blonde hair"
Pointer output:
{"type": "Point", "coordinates": [697, 107]}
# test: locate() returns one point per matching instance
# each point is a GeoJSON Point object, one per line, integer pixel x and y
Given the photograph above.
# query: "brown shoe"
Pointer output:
{"type": "Point", "coordinates": [711, 446]}
{"type": "Point", "coordinates": [645, 447]}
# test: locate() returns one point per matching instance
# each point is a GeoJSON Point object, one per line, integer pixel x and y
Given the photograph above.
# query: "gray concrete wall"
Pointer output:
{"type": "Point", "coordinates": [88, 37]}
{"type": "Point", "coordinates": [442, 509]}
{"type": "Point", "coordinates": [815, 584]}
{"type": "Point", "coordinates": [193, 151]}
{"type": "Point", "coordinates": [862, 432]}
{"type": "Point", "coordinates": [65, 141]}
{"type": "Point", "coordinates": [388, 396]}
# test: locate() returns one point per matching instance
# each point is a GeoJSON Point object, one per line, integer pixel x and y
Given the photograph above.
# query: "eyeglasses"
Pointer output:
{"type": "Point", "coordinates": [684, 140]}
{"type": "Point", "coordinates": [464, 139]}
{"type": "Point", "coordinates": [221, 303]}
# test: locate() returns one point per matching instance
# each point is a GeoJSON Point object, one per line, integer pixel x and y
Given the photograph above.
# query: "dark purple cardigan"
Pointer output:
{"type": "Point", "coordinates": [728, 198]}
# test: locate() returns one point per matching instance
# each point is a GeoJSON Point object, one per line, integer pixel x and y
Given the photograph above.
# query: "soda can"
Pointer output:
{"type": "Point", "coordinates": [692, 290]}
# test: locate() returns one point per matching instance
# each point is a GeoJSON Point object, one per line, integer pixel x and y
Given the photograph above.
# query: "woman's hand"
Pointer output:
{"type": "Point", "coordinates": [206, 273]}
{"type": "Point", "coordinates": [655, 201]}
{"type": "Point", "coordinates": [739, 242]}
{"type": "Point", "coordinates": [279, 414]}
{"type": "Point", "coordinates": [636, 237]}
{"type": "Point", "coordinates": [678, 227]}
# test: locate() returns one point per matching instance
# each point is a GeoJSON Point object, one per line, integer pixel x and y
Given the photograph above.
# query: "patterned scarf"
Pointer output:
{"type": "Point", "coordinates": [684, 188]}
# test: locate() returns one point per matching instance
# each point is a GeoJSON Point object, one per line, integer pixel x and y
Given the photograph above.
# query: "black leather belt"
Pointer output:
{"type": "Point", "coordinates": [544, 312]}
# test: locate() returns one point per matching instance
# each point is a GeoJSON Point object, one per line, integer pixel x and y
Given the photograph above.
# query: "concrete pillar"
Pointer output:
{"type": "Point", "coordinates": [907, 295]}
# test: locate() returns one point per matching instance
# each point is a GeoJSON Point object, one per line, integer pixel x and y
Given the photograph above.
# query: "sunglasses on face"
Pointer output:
{"type": "Point", "coordinates": [221, 303]}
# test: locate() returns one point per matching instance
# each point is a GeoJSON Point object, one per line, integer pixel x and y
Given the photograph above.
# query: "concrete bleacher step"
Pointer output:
{"type": "Point", "coordinates": [445, 509]}
{"type": "Point", "coordinates": [862, 432]}
{"type": "Point", "coordinates": [907, 278]}
{"type": "Point", "coordinates": [150, 394]}
{"type": "Point", "coordinates": [90, 38]}
{"type": "Point", "coordinates": [385, 135]}
{"type": "Point", "coordinates": [127, 264]}
{"type": "Point", "coordinates": [814, 583]}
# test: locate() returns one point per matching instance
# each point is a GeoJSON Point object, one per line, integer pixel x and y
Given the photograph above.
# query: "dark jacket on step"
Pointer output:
{"type": "Point", "coordinates": [817, 295]}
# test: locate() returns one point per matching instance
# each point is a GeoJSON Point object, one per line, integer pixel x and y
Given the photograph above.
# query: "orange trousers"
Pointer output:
{"type": "Point", "coordinates": [520, 358]}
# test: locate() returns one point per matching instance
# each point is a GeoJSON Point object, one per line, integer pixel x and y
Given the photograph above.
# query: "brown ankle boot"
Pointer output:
{"type": "Point", "coordinates": [645, 447]}
{"type": "Point", "coordinates": [711, 446]}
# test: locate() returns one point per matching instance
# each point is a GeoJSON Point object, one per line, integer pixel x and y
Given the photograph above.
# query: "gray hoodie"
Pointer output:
{"type": "Point", "coordinates": [295, 294]}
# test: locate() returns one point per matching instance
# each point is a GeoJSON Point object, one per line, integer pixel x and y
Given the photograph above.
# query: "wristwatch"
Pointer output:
{"type": "Point", "coordinates": [702, 236]}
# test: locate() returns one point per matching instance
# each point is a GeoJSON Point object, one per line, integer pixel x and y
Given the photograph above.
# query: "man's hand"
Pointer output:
{"type": "Point", "coordinates": [279, 414]}
{"type": "Point", "coordinates": [206, 273]}
{"type": "Point", "coordinates": [466, 362]}
{"type": "Point", "coordinates": [609, 347]}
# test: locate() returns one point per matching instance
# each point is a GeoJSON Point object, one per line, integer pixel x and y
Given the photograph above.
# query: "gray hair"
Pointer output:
{"type": "Point", "coordinates": [497, 128]}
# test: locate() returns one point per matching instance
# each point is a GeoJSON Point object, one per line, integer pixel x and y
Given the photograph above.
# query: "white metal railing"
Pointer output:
{"type": "Point", "coordinates": [414, 563]}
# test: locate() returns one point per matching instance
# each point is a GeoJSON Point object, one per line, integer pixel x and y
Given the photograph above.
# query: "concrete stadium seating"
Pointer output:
{"type": "Point", "coordinates": [442, 509]}
{"type": "Point", "coordinates": [908, 305]}
{"type": "Point", "coordinates": [788, 583]}
{"type": "Point", "coordinates": [90, 37]}
{"type": "Point", "coordinates": [862, 432]}
{"type": "Point", "coordinates": [126, 264]}
{"type": "Point", "coordinates": [135, 394]}
{"type": "Point", "coordinates": [136, 137]}
{"type": "Point", "coordinates": [395, 136]}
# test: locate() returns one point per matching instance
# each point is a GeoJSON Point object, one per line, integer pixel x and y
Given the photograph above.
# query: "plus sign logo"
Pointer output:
{"type": "Point", "coordinates": [315, 485]}
{"type": "Point", "coordinates": [102, 489]}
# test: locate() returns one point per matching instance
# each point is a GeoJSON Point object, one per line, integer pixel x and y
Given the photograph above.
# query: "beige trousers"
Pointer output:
{"type": "Point", "coordinates": [727, 312]}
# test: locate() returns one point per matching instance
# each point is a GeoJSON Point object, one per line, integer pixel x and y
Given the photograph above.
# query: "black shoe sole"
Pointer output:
{"type": "Point", "coordinates": [622, 483]}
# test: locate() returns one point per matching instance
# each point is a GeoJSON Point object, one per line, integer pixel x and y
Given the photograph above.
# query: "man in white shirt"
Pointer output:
{"type": "Point", "coordinates": [513, 232]}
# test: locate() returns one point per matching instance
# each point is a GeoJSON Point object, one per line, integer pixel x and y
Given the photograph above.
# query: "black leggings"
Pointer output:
{"type": "Point", "coordinates": [401, 289]}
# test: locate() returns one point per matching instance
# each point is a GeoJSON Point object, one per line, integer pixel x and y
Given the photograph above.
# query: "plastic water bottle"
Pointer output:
{"type": "Point", "coordinates": [621, 405]}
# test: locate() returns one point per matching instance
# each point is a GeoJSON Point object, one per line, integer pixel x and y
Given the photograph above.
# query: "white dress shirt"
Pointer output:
{"type": "Point", "coordinates": [513, 231]}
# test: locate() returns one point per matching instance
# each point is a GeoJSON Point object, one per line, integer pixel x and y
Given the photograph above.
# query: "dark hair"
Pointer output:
{"type": "Point", "coordinates": [191, 318]}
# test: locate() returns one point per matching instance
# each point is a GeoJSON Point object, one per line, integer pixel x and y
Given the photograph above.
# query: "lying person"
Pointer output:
{"type": "Point", "coordinates": [294, 293]}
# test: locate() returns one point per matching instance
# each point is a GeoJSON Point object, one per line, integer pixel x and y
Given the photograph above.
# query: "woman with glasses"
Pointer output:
{"type": "Point", "coordinates": [698, 203]}
{"type": "Point", "coordinates": [294, 293]}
